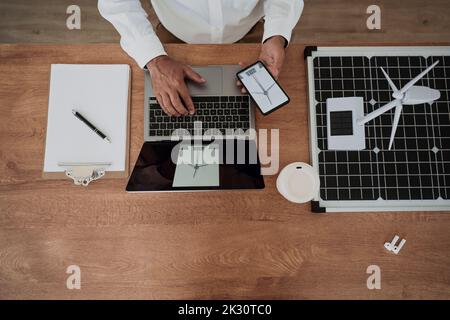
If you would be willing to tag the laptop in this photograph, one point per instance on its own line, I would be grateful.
(221, 130)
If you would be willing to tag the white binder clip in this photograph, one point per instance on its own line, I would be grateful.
(391, 246)
(84, 173)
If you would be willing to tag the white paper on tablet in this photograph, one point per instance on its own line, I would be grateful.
(197, 166)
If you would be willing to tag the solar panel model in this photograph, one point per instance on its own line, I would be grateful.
(380, 127)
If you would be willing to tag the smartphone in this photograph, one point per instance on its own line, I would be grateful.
(263, 88)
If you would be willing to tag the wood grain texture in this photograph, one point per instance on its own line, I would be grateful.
(344, 21)
(44, 21)
(337, 21)
(233, 244)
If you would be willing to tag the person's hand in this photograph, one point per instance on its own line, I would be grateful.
(169, 86)
(272, 55)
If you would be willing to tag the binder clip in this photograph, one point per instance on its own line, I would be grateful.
(391, 246)
(84, 173)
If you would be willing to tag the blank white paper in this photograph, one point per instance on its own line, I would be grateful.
(100, 94)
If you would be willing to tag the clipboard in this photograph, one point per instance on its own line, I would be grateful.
(102, 93)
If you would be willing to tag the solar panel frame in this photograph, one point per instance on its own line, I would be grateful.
(380, 164)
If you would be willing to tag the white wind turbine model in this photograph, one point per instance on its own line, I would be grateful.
(408, 95)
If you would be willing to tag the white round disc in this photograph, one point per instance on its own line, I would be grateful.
(298, 182)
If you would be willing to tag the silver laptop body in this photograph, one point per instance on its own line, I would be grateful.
(220, 81)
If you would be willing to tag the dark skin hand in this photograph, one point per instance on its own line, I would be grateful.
(272, 55)
(169, 86)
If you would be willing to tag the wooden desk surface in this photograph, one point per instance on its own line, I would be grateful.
(249, 244)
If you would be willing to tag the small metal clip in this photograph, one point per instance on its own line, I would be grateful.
(84, 173)
(391, 246)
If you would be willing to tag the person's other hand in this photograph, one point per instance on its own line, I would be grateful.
(272, 55)
(169, 86)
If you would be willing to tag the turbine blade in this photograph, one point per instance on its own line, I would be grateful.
(270, 87)
(416, 79)
(259, 84)
(391, 84)
(398, 111)
(378, 112)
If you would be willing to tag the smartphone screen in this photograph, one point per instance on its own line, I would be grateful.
(262, 87)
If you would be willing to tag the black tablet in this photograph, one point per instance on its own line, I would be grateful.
(194, 166)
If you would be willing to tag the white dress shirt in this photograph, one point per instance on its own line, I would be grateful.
(197, 21)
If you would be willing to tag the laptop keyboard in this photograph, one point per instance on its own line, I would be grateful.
(214, 112)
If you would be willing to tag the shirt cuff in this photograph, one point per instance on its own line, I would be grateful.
(276, 28)
(144, 49)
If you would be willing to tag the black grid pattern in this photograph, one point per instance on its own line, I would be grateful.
(418, 166)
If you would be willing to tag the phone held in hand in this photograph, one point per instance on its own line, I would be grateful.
(263, 88)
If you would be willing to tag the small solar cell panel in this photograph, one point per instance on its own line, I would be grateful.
(341, 123)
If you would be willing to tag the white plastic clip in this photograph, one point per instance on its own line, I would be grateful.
(84, 173)
(391, 246)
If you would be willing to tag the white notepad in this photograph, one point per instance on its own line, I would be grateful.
(101, 94)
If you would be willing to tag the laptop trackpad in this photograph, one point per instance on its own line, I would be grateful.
(213, 84)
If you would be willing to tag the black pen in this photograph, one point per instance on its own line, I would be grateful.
(90, 125)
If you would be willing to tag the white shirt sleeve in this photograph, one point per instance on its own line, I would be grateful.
(280, 17)
(137, 36)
